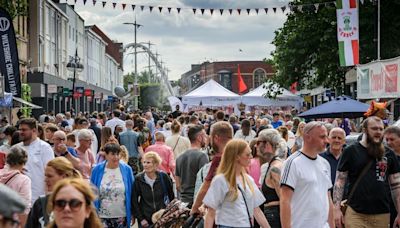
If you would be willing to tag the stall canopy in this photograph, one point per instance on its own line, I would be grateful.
(256, 98)
(7, 102)
(211, 94)
(340, 107)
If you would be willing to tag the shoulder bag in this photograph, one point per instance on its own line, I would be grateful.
(15, 174)
(344, 203)
(179, 137)
(247, 208)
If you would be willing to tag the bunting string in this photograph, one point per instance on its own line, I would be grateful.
(314, 7)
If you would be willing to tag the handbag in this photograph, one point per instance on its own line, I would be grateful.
(344, 203)
(247, 209)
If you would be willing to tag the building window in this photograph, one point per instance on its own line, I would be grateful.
(259, 77)
(195, 80)
(225, 79)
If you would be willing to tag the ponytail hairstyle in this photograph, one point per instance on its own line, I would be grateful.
(175, 127)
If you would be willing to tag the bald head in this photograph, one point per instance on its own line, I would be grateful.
(337, 130)
(337, 139)
(59, 137)
(59, 134)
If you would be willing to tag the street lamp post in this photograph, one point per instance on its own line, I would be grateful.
(136, 75)
(74, 65)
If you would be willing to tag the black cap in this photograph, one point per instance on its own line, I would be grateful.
(11, 202)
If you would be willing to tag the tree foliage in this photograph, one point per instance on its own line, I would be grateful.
(307, 48)
(144, 77)
(15, 7)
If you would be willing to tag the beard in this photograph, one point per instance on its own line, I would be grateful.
(375, 149)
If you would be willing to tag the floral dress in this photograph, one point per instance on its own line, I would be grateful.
(112, 199)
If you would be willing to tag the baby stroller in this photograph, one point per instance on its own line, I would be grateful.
(173, 216)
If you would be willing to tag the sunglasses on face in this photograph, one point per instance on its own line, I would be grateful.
(74, 204)
(261, 142)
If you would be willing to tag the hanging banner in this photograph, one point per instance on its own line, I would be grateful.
(347, 31)
(378, 79)
(88, 92)
(9, 63)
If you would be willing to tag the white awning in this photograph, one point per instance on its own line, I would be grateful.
(22, 101)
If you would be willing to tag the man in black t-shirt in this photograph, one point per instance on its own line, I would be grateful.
(369, 205)
(176, 113)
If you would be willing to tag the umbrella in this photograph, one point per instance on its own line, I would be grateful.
(340, 107)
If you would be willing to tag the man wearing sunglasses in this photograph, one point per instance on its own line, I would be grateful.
(60, 149)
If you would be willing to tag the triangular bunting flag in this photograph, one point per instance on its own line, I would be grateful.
(178, 9)
(248, 11)
(133, 7)
(169, 9)
(194, 11)
(160, 8)
(104, 4)
(316, 7)
(221, 11)
(123, 6)
(114, 4)
(84, 2)
(239, 10)
(202, 11)
(151, 8)
(362, 2)
(211, 11)
(230, 11)
(141, 8)
(94, 2)
(76, 1)
(266, 10)
(256, 9)
(274, 9)
(283, 8)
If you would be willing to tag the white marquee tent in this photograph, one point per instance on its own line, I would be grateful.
(211, 94)
(256, 98)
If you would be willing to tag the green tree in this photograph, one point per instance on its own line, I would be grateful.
(15, 7)
(144, 77)
(307, 48)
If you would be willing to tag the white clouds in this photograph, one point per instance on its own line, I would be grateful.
(184, 39)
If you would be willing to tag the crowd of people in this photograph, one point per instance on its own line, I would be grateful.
(116, 169)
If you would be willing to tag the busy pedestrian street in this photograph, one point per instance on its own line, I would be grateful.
(199, 114)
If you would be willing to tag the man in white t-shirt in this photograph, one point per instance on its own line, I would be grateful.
(305, 199)
(39, 153)
(115, 121)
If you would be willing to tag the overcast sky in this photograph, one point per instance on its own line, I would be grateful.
(184, 39)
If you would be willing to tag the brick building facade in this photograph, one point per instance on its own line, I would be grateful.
(253, 73)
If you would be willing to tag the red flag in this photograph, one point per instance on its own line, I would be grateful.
(293, 87)
(242, 86)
